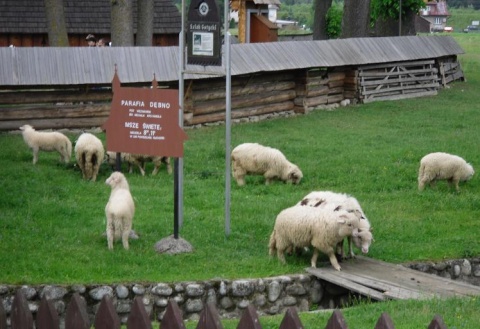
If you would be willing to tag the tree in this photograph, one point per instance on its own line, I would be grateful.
(385, 14)
(56, 26)
(320, 19)
(145, 22)
(356, 19)
(122, 23)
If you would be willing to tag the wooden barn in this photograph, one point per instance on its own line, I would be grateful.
(71, 87)
(23, 23)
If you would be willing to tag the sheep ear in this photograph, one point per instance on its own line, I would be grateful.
(341, 221)
(304, 202)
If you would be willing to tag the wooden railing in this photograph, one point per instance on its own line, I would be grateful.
(76, 317)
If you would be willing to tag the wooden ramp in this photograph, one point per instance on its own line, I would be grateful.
(381, 281)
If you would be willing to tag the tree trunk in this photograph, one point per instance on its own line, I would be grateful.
(356, 19)
(145, 23)
(57, 29)
(320, 19)
(122, 23)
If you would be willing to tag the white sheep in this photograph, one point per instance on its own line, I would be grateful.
(443, 166)
(301, 226)
(47, 141)
(139, 161)
(333, 200)
(89, 153)
(256, 159)
(119, 210)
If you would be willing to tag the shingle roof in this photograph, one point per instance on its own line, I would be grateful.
(30, 66)
(28, 16)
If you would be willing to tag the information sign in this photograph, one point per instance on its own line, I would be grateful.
(203, 33)
(144, 121)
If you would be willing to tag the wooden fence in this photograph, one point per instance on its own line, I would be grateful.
(76, 317)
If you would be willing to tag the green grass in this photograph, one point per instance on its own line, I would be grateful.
(51, 221)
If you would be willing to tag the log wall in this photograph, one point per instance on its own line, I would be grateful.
(251, 95)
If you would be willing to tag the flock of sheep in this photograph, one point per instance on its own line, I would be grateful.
(89, 155)
(321, 219)
(324, 219)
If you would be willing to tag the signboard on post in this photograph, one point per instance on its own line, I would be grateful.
(203, 33)
(144, 121)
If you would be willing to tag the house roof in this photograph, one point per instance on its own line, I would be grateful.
(438, 8)
(28, 16)
(36, 66)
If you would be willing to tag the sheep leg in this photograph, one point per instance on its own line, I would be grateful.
(169, 167)
(239, 175)
(35, 155)
(280, 255)
(333, 261)
(350, 247)
(110, 234)
(125, 235)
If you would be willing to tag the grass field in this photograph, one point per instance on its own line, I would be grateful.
(51, 221)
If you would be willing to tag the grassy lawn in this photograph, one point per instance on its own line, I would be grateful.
(51, 221)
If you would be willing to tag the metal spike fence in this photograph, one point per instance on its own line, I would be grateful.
(106, 318)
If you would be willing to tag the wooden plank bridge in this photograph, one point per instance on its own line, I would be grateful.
(381, 281)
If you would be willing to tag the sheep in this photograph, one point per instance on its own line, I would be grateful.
(253, 158)
(323, 199)
(443, 166)
(139, 161)
(301, 226)
(89, 153)
(47, 141)
(119, 210)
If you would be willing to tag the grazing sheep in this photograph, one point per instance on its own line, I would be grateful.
(443, 166)
(89, 153)
(139, 161)
(256, 159)
(119, 210)
(334, 200)
(47, 141)
(301, 226)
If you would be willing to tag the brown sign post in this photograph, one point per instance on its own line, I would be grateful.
(144, 121)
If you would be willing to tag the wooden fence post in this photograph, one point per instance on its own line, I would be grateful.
(20, 316)
(138, 317)
(291, 320)
(437, 323)
(47, 316)
(172, 319)
(209, 318)
(336, 321)
(249, 319)
(107, 317)
(384, 322)
(76, 316)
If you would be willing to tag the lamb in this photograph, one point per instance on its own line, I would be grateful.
(47, 141)
(89, 153)
(334, 200)
(256, 159)
(119, 210)
(301, 226)
(443, 166)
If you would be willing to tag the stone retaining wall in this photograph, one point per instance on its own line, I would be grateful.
(269, 296)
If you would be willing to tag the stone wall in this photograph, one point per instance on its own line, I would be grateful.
(269, 296)
(466, 270)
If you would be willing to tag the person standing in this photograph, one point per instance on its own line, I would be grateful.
(91, 40)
